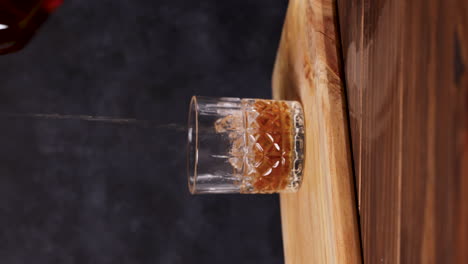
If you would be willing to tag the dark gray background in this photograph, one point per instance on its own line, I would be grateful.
(85, 192)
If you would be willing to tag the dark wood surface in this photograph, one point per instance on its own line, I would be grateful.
(405, 64)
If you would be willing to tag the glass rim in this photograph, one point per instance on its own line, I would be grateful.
(192, 145)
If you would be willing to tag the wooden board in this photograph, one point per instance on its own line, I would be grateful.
(320, 221)
(406, 78)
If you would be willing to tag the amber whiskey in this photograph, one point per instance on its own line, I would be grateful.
(267, 141)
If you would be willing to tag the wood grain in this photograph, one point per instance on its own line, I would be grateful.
(320, 221)
(405, 65)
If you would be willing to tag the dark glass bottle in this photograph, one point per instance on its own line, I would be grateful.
(19, 20)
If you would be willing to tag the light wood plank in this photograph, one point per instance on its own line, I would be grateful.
(320, 221)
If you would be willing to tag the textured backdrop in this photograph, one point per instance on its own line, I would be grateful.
(87, 192)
